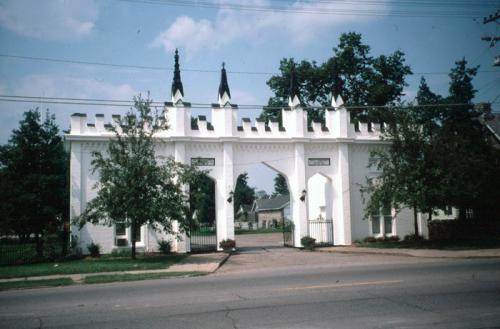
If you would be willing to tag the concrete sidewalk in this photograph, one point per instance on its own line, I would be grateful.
(203, 263)
(429, 253)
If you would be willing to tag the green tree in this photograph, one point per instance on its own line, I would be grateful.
(350, 72)
(243, 194)
(202, 200)
(470, 165)
(33, 168)
(280, 185)
(135, 188)
(406, 180)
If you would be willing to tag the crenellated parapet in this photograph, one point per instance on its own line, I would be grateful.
(225, 123)
(225, 120)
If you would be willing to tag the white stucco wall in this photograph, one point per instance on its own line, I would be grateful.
(236, 149)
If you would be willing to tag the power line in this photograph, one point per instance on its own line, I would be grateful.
(467, 10)
(126, 103)
(164, 68)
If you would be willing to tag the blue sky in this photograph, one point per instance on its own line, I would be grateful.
(141, 33)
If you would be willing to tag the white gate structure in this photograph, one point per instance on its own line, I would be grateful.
(338, 150)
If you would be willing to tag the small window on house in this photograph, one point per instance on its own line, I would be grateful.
(121, 235)
(448, 211)
(138, 234)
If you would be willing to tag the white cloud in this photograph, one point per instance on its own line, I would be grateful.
(55, 20)
(231, 25)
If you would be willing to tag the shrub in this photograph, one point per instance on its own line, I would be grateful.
(394, 238)
(227, 244)
(94, 249)
(369, 239)
(412, 238)
(381, 239)
(308, 242)
(121, 252)
(164, 246)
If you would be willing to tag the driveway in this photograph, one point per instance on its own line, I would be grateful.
(257, 252)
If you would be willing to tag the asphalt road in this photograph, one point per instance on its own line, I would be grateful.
(279, 288)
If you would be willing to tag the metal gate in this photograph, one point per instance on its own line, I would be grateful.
(288, 236)
(322, 231)
(203, 237)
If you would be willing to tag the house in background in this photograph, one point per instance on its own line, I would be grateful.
(245, 218)
(272, 212)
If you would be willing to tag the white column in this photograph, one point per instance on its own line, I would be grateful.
(76, 191)
(224, 186)
(183, 245)
(298, 184)
(342, 204)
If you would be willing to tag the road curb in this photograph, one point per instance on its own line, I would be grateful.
(423, 253)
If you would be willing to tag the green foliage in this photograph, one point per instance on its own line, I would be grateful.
(350, 72)
(243, 194)
(164, 246)
(33, 179)
(202, 200)
(308, 243)
(94, 249)
(439, 155)
(134, 186)
(280, 185)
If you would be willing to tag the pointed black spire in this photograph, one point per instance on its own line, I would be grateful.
(177, 83)
(294, 84)
(223, 87)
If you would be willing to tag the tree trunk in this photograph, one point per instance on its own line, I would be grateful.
(415, 221)
(132, 229)
(39, 245)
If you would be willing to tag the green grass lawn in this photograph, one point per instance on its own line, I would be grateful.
(35, 283)
(91, 265)
(426, 244)
(136, 277)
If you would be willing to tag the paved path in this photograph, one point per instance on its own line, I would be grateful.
(326, 291)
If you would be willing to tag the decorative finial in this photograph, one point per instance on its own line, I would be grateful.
(177, 83)
(224, 86)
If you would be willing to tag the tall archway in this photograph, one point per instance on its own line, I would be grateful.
(261, 207)
(319, 208)
(202, 212)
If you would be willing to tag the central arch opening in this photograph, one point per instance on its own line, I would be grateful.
(262, 212)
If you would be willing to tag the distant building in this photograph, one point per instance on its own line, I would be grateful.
(271, 212)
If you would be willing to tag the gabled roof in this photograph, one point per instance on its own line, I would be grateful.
(493, 126)
(275, 203)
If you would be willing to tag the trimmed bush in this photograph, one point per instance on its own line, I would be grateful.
(228, 244)
(94, 249)
(121, 252)
(164, 246)
(369, 239)
(308, 242)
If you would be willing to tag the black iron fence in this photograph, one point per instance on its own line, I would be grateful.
(203, 237)
(322, 231)
(15, 251)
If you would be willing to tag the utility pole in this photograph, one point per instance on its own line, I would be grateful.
(494, 39)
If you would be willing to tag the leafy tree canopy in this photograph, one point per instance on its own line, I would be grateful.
(351, 72)
(243, 194)
(33, 184)
(280, 185)
(135, 187)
